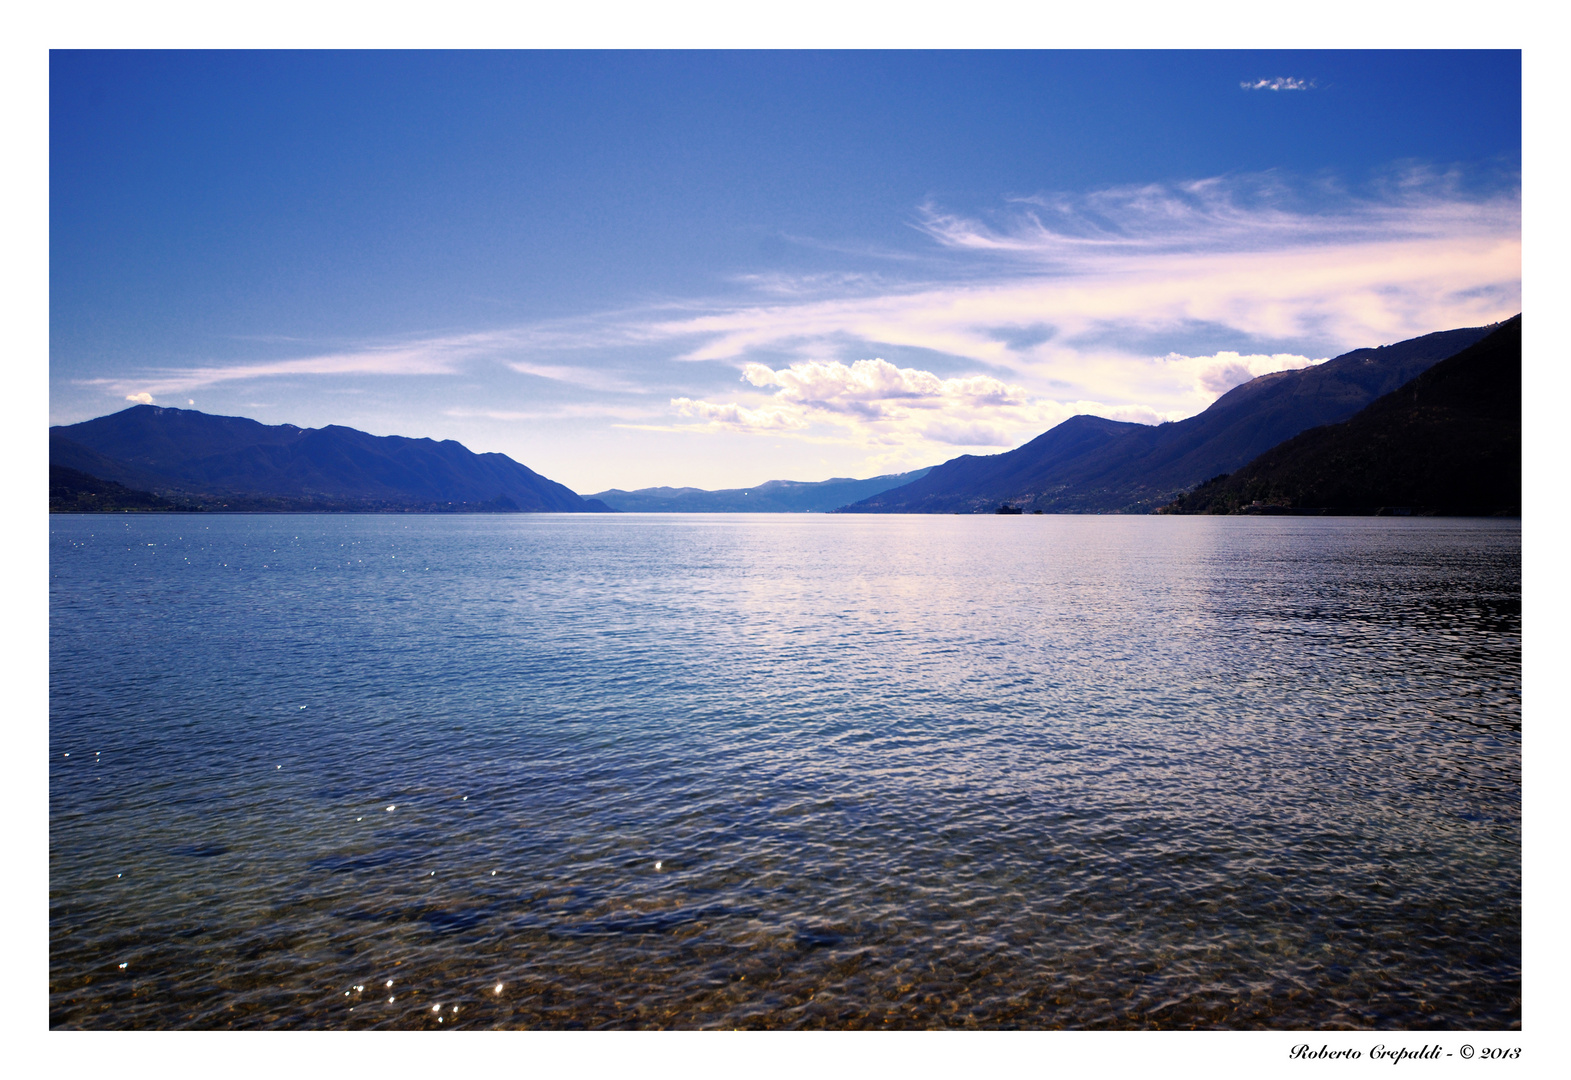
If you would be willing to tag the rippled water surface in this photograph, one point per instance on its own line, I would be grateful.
(784, 771)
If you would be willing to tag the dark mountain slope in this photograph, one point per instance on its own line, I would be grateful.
(73, 491)
(772, 497)
(1091, 465)
(70, 454)
(181, 450)
(1450, 441)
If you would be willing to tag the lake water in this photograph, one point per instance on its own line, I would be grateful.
(784, 771)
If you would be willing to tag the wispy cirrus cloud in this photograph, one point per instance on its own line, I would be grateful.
(1141, 302)
(1238, 255)
(436, 355)
(590, 378)
(1263, 212)
(1063, 285)
(739, 417)
(433, 356)
(1280, 83)
(1345, 294)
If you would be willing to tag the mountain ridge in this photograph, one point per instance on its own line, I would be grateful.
(1448, 442)
(1094, 465)
(186, 453)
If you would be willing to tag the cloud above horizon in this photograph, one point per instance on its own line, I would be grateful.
(739, 417)
(1048, 305)
(1217, 374)
(876, 389)
(875, 403)
(829, 394)
(428, 356)
(1265, 212)
(1060, 285)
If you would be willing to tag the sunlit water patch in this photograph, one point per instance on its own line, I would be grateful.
(748, 771)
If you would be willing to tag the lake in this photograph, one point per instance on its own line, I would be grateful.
(558, 771)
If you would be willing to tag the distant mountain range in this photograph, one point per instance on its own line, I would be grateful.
(1091, 465)
(772, 497)
(1449, 441)
(229, 462)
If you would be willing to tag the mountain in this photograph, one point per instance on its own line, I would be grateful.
(236, 463)
(1091, 465)
(1450, 441)
(772, 497)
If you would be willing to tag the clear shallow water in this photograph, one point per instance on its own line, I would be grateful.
(769, 771)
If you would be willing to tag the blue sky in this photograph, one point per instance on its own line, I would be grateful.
(627, 269)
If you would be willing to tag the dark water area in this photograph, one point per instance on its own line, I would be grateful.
(784, 771)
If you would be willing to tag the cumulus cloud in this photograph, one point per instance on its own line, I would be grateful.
(144, 398)
(1218, 373)
(1278, 84)
(876, 388)
(876, 403)
(829, 394)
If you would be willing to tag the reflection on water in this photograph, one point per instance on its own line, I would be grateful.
(737, 771)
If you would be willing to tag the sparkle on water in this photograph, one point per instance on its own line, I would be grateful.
(902, 771)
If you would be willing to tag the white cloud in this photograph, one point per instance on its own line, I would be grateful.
(1346, 295)
(1106, 282)
(905, 411)
(1242, 258)
(144, 398)
(576, 376)
(437, 356)
(1262, 212)
(1360, 278)
(739, 417)
(1220, 372)
(1278, 84)
(876, 388)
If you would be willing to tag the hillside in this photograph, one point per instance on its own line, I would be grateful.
(72, 491)
(185, 453)
(1450, 442)
(1092, 465)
